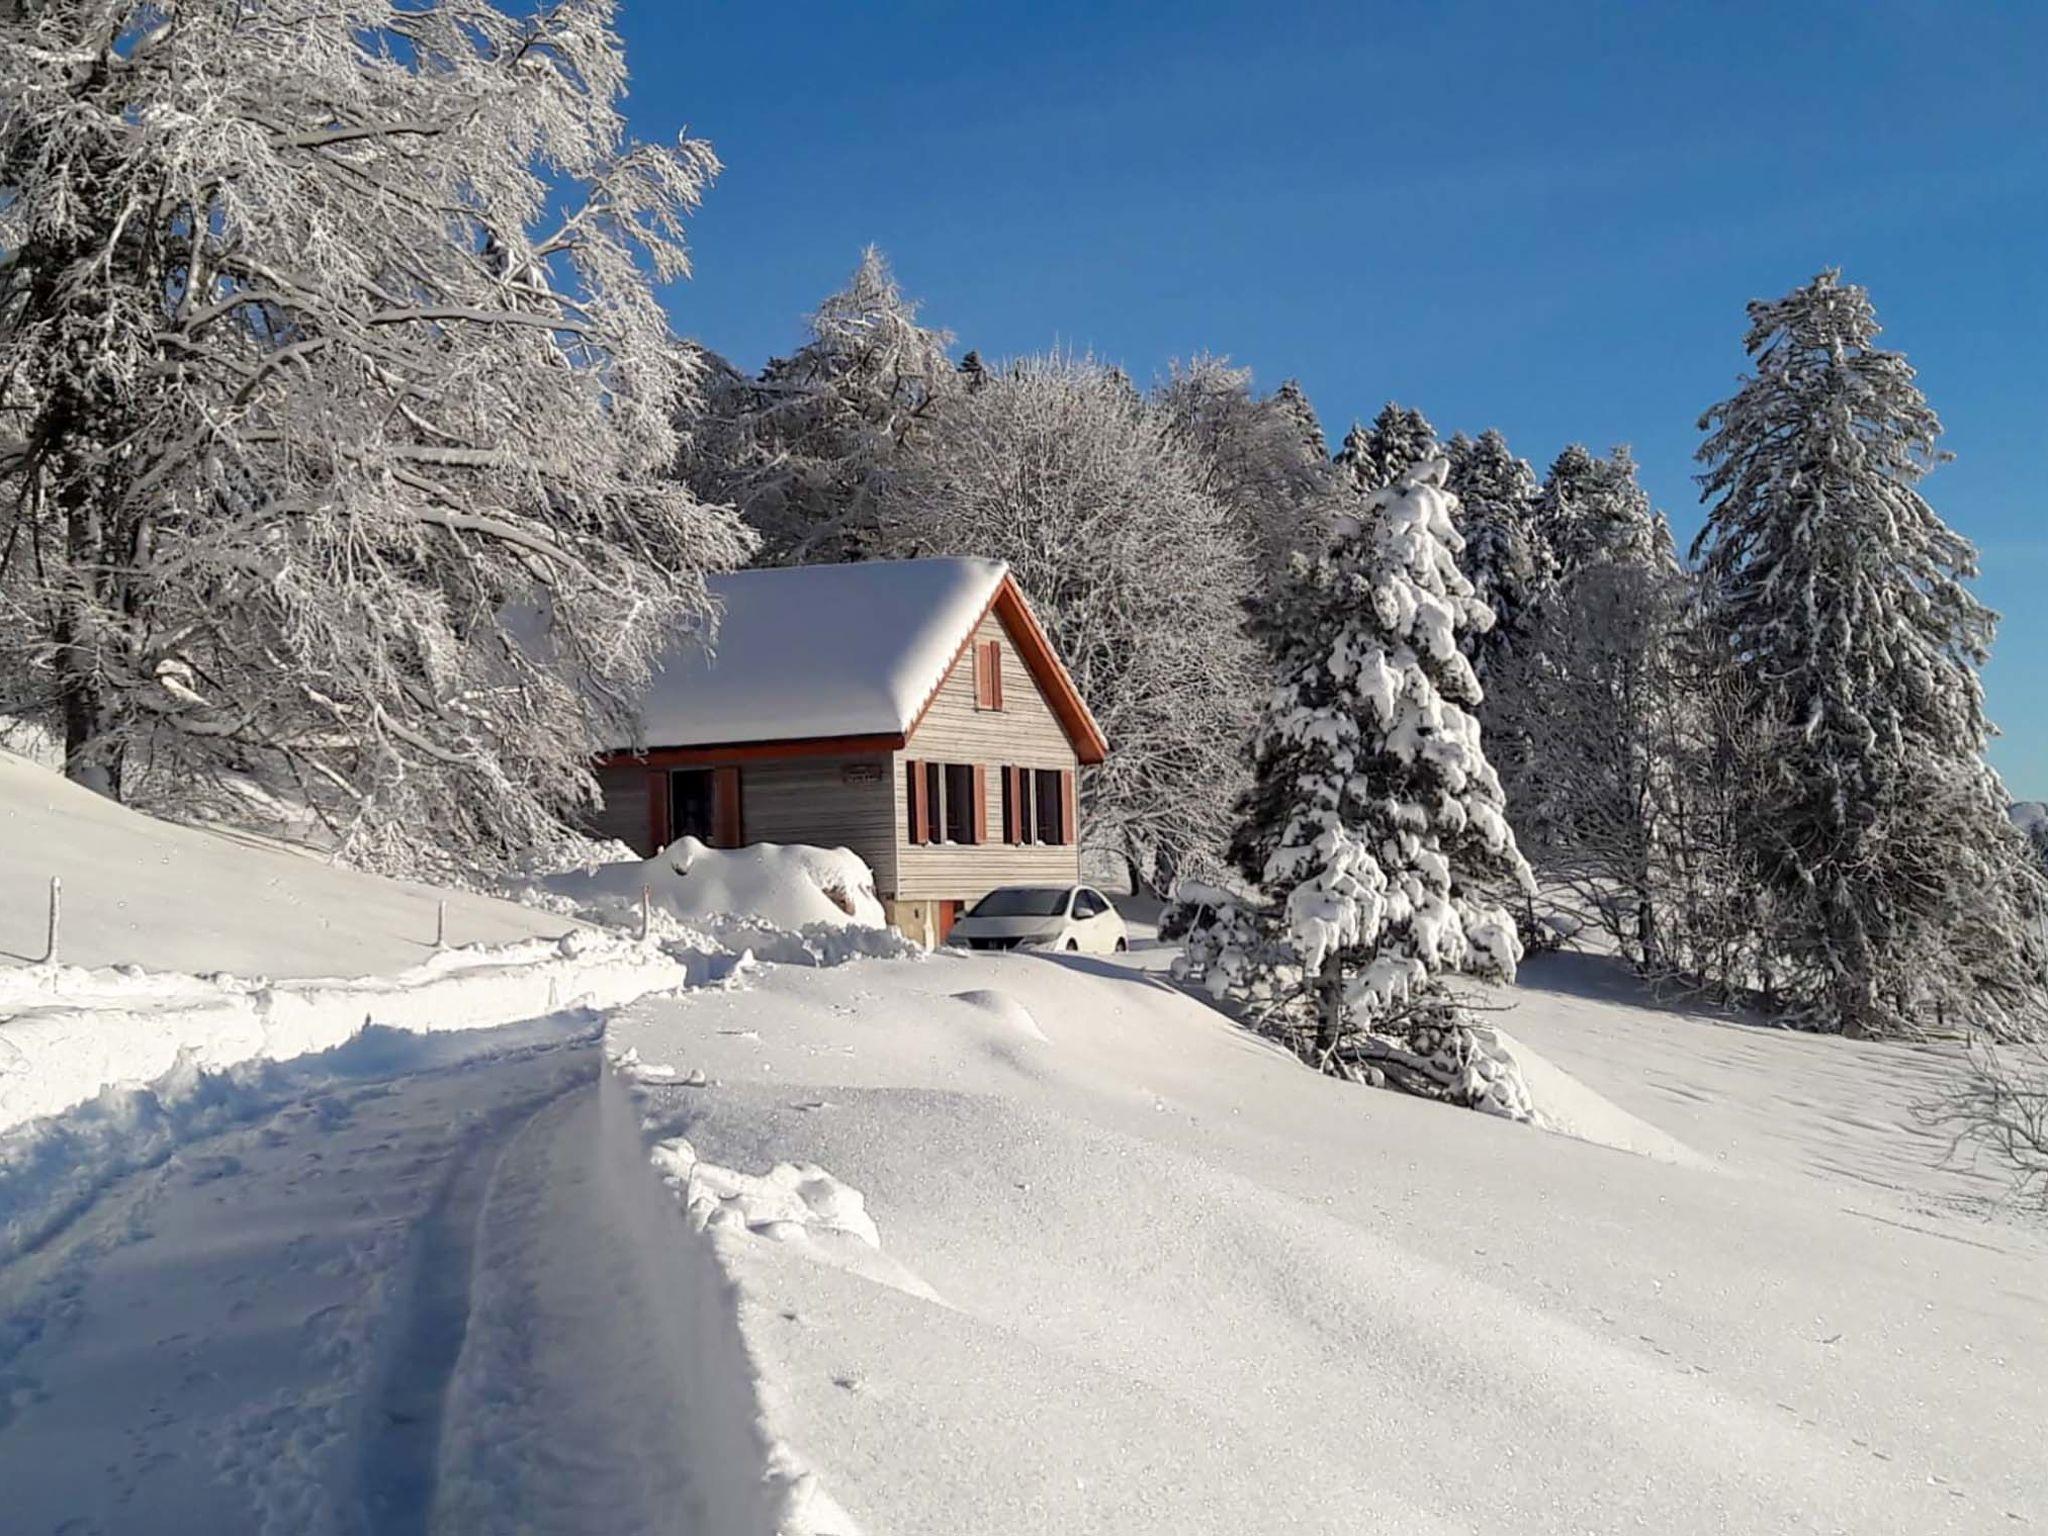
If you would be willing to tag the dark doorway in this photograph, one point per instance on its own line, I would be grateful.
(690, 803)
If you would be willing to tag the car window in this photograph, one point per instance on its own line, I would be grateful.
(1022, 901)
(1088, 904)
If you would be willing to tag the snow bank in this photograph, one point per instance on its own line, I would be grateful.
(787, 887)
(67, 1032)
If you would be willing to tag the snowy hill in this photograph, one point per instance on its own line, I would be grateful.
(168, 898)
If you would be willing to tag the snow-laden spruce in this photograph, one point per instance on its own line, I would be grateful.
(328, 338)
(1508, 565)
(1902, 892)
(1372, 458)
(1376, 825)
(803, 449)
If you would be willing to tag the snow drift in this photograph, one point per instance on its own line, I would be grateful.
(67, 1032)
(781, 886)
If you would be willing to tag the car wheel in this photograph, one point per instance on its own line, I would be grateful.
(1073, 946)
(1122, 945)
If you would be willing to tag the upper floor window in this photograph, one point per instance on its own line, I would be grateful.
(988, 674)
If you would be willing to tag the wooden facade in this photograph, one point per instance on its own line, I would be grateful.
(959, 803)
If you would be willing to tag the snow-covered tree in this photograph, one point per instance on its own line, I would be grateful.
(1508, 566)
(1375, 823)
(1840, 599)
(1262, 458)
(1592, 509)
(1057, 466)
(1292, 400)
(1375, 457)
(804, 450)
(328, 341)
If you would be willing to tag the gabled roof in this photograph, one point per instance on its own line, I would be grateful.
(818, 651)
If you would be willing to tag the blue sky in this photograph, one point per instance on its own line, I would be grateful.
(1544, 218)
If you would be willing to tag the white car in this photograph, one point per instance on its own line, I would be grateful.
(1067, 917)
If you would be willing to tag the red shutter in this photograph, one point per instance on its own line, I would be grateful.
(920, 813)
(1013, 809)
(657, 809)
(995, 674)
(726, 817)
(1070, 817)
(979, 822)
(981, 681)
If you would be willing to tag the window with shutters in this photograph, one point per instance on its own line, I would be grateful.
(945, 802)
(988, 674)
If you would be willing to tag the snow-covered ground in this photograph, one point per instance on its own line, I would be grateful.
(1137, 1271)
(137, 891)
(998, 1243)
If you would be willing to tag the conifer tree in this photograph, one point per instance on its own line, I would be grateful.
(1375, 457)
(1293, 402)
(1840, 599)
(805, 449)
(1502, 558)
(1591, 509)
(1375, 819)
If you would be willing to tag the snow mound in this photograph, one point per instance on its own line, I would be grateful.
(790, 1202)
(1004, 1006)
(67, 1032)
(1562, 1104)
(790, 887)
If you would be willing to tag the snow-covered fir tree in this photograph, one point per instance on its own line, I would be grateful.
(1592, 509)
(1374, 457)
(1375, 826)
(329, 340)
(1292, 401)
(803, 450)
(1139, 572)
(1508, 566)
(1840, 599)
(1261, 457)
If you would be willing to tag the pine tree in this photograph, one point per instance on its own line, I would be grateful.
(329, 340)
(1839, 597)
(1591, 509)
(1293, 402)
(804, 450)
(1375, 457)
(1507, 565)
(1374, 817)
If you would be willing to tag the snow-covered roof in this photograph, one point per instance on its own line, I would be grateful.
(820, 650)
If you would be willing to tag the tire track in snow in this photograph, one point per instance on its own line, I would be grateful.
(402, 1443)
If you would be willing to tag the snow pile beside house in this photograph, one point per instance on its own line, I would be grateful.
(766, 886)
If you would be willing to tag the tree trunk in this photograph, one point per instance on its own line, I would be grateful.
(1329, 1007)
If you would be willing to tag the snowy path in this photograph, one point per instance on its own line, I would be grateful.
(405, 1301)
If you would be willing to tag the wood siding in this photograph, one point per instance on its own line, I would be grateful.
(808, 800)
(624, 812)
(1023, 733)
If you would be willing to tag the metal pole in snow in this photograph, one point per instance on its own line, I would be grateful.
(56, 910)
(646, 918)
(441, 924)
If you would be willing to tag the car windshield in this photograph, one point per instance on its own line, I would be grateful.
(1022, 901)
